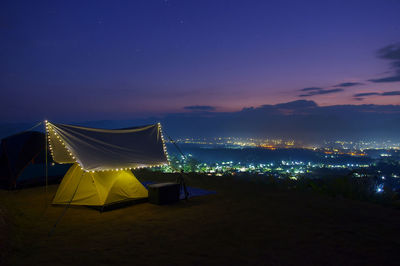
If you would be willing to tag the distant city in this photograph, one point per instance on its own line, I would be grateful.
(287, 158)
(348, 147)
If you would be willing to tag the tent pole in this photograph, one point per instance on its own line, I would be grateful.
(180, 180)
(47, 166)
(47, 170)
(66, 207)
(176, 145)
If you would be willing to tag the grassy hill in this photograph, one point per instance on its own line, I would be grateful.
(243, 223)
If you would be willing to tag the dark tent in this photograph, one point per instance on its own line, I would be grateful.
(22, 160)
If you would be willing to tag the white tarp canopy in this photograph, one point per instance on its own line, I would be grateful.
(104, 149)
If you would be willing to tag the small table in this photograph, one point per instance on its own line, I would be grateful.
(163, 193)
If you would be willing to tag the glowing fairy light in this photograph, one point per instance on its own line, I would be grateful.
(163, 144)
(52, 131)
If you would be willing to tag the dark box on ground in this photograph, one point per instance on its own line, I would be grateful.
(163, 193)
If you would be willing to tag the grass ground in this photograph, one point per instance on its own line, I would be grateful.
(243, 223)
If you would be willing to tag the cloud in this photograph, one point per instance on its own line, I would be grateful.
(312, 89)
(348, 84)
(320, 91)
(390, 93)
(392, 54)
(199, 108)
(364, 94)
(393, 78)
(360, 96)
(306, 121)
(296, 105)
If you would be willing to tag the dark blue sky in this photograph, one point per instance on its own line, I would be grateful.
(76, 60)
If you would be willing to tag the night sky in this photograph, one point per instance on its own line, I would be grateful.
(77, 60)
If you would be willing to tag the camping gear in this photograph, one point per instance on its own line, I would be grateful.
(182, 185)
(164, 193)
(22, 161)
(180, 180)
(103, 160)
(192, 191)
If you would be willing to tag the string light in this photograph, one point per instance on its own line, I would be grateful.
(51, 129)
(164, 146)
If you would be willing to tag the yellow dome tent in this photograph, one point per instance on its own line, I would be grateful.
(102, 162)
(98, 188)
